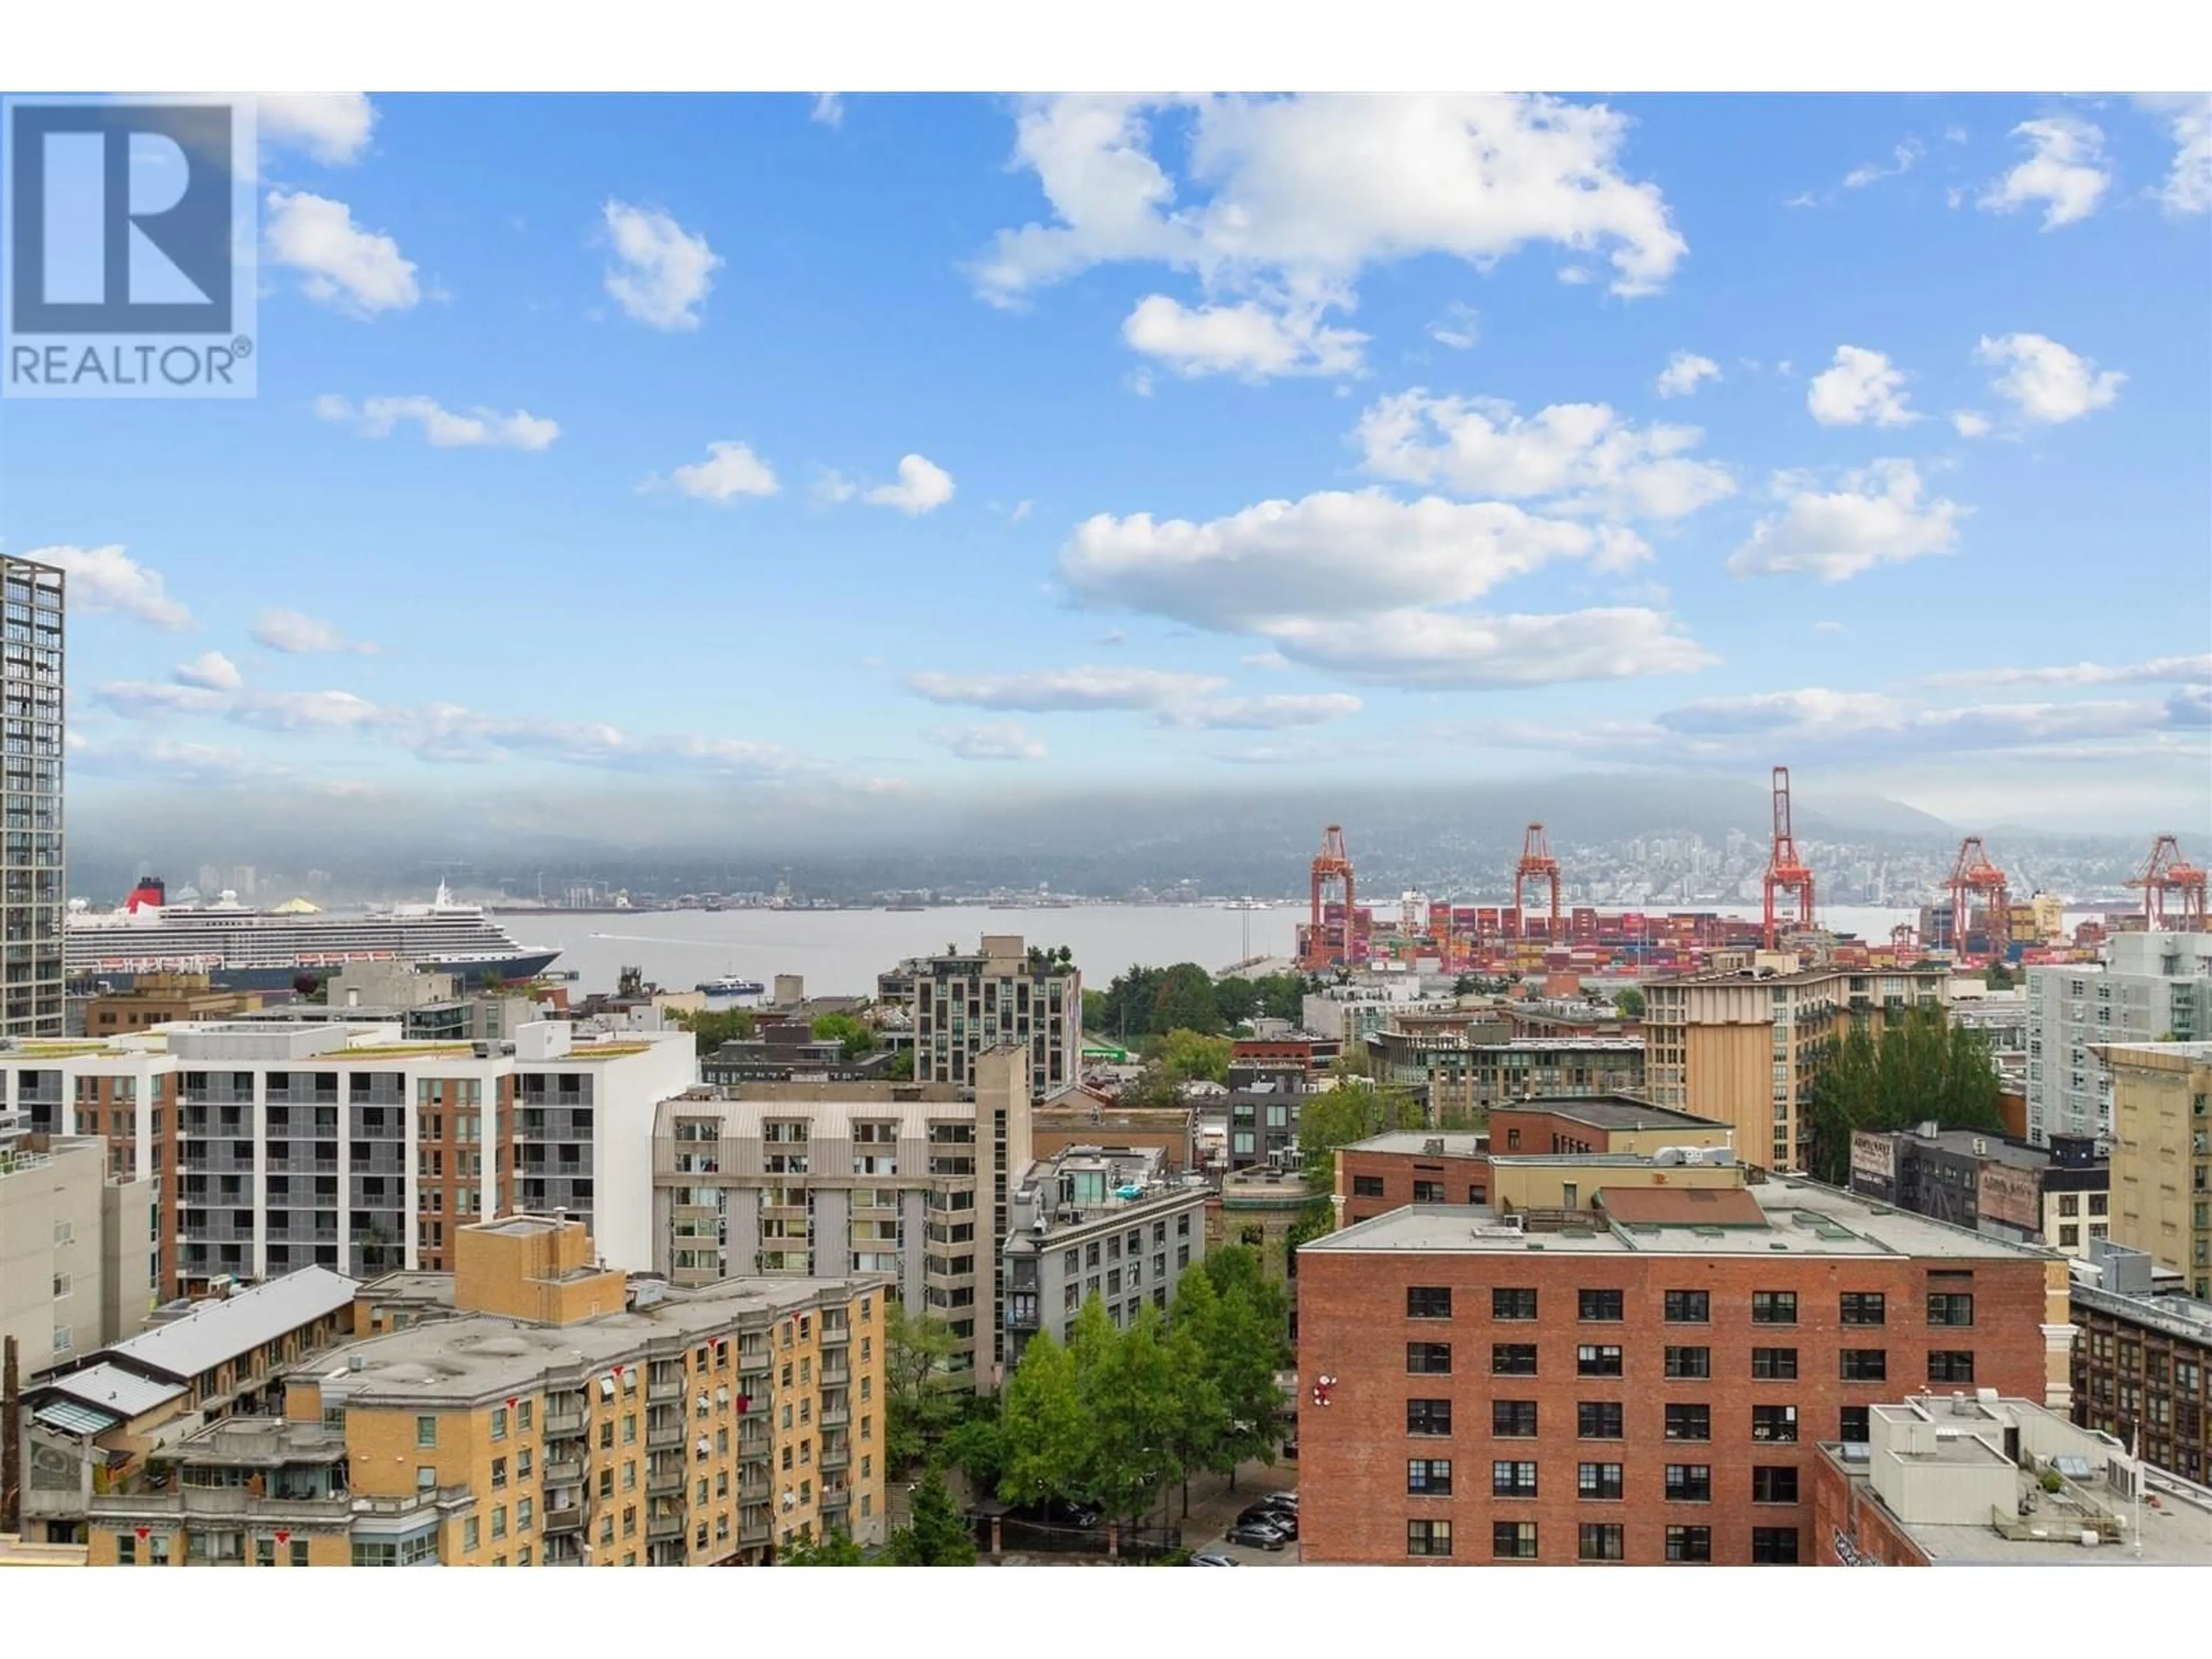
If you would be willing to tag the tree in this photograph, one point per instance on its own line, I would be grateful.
(711, 1028)
(853, 1037)
(1236, 1000)
(1999, 977)
(1126, 1009)
(1921, 1068)
(921, 1405)
(835, 1549)
(1352, 1110)
(901, 1069)
(1630, 1001)
(1155, 1085)
(1045, 1432)
(1243, 1332)
(1094, 1010)
(1188, 1057)
(1184, 998)
(936, 1534)
(977, 1448)
(1126, 1381)
(1202, 1421)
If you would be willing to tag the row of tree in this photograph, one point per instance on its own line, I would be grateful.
(1922, 1067)
(1147, 1002)
(936, 1535)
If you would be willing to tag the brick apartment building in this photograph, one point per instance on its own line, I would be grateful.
(1646, 1387)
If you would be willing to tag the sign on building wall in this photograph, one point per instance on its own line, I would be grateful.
(1874, 1163)
(2010, 1195)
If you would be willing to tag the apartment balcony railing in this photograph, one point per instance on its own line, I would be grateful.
(663, 1439)
(565, 1424)
(563, 1471)
(665, 1524)
(565, 1518)
(664, 1478)
(663, 1392)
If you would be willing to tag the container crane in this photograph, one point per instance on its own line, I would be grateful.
(1536, 861)
(1972, 875)
(1785, 872)
(1328, 944)
(2165, 874)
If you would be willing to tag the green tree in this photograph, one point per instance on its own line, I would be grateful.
(1630, 1001)
(922, 1404)
(936, 1534)
(1155, 1085)
(1126, 1381)
(1236, 1000)
(711, 1028)
(1045, 1431)
(853, 1037)
(1188, 1057)
(901, 1069)
(1999, 977)
(1095, 1014)
(1243, 1333)
(1282, 996)
(836, 1548)
(1184, 1000)
(1352, 1110)
(1921, 1069)
(1127, 1011)
(977, 1448)
(1202, 1421)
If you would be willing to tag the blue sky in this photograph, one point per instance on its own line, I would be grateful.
(883, 444)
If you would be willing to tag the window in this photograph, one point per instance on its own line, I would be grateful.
(1593, 1361)
(1950, 1365)
(1513, 1419)
(1689, 1543)
(1428, 1416)
(1598, 1541)
(499, 1422)
(1689, 1362)
(1597, 1420)
(1428, 1538)
(1513, 1541)
(525, 1512)
(426, 1430)
(1689, 1307)
(1512, 1304)
(469, 1536)
(2096, 1200)
(1428, 1302)
(1854, 1426)
(1367, 1186)
(499, 1521)
(1864, 1364)
(1771, 1484)
(1774, 1423)
(1429, 1477)
(1597, 1480)
(126, 1549)
(1774, 1307)
(1774, 1546)
(1863, 1307)
(1513, 1359)
(1598, 1305)
(1774, 1364)
(498, 1474)
(1428, 1192)
(1511, 1479)
(1689, 1483)
(1429, 1358)
(1950, 1310)
(1689, 1422)
(2069, 1204)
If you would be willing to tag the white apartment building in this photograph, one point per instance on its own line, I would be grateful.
(76, 1248)
(2148, 987)
(962, 1004)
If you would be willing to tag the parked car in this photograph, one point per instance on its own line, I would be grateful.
(1061, 1512)
(1212, 1558)
(1281, 1499)
(1258, 1534)
(1283, 1519)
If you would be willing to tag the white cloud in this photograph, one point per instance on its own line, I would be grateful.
(1248, 339)
(1582, 455)
(829, 109)
(2064, 171)
(1683, 372)
(1969, 424)
(343, 267)
(1458, 328)
(1055, 690)
(1803, 198)
(2158, 670)
(1270, 660)
(1262, 714)
(105, 582)
(923, 487)
(992, 740)
(1903, 158)
(333, 127)
(1862, 386)
(1022, 510)
(1877, 519)
(1830, 627)
(211, 670)
(296, 635)
(479, 428)
(1447, 650)
(2188, 187)
(2047, 383)
(664, 271)
(730, 469)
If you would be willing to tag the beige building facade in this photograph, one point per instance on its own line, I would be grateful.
(2162, 1154)
(76, 1248)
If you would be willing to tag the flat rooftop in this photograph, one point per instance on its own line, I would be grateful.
(1801, 1218)
(1444, 1143)
(1611, 1112)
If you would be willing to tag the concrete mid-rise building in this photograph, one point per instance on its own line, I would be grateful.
(2148, 987)
(76, 1249)
(1742, 1046)
(1103, 1222)
(962, 1004)
(2161, 1107)
(163, 999)
(2058, 1196)
(1459, 1080)
(2143, 1361)
(32, 682)
(1645, 1385)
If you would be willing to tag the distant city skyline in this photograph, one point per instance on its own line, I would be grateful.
(789, 459)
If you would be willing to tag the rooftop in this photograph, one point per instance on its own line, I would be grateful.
(215, 1332)
(1612, 1112)
(114, 1395)
(1681, 1207)
(1447, 1143)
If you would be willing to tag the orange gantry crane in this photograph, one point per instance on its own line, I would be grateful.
(1785, 872)
(1972, 875)
(1329, 943)
(1536, 861)
(2166, 875)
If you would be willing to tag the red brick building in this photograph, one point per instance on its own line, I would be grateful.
(1646, 1386)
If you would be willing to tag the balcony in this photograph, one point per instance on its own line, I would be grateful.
(665, 1523)
(567, 1424)
(837, 1497)
(753, 1491)
(664, 1438)
(563, 1517)
(835, 1416)
(838, 1458)
(664, 1393)
(564, 1471)
(837, 1337)
(754, 1527)
(195, 1504)
(836, 1377)
(665, 1478)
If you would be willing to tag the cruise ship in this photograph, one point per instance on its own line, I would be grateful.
(243, 948)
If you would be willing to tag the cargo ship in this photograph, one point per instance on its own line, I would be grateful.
(239, 948)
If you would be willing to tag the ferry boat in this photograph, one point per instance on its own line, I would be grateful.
(729, 985)
(239, 948)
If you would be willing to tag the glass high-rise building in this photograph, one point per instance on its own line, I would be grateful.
(31, 863)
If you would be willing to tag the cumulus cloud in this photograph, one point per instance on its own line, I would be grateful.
(1862, 386)
(1458, 328)
(105, 582)
(992, 740)
(922, 487)
(662, 272)
(2188, 187)
(1969, 424)
(357, 272)
(1247, 339)
(2064, 171)
(730, 470)
(1065, 690)
(1452, 650)
(333, 127)
(211, 670)
(1902, 161)
(2158, 670)
(1684, 370)
(1583, 457)
(296, 635)
(2045, 381)
(479, 428)
(829, 109)
(1878, 518)
(1262, 713)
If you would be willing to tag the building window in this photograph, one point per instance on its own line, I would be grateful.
(1689, 1362)
(1429, 1358)
(1772, 1484)
(1689, 1483)
(1864, 1307)
(1513, 1541)
(1950, 1310)
(1512, 1480)
(1853, 1427)
(1689, 1307)
(1689, 1543)
(499, 1422)
(1428, 1416)
(1774, 1546)
(1774, 1364)
(2069, 1204)
(1774, 1307)
(1513, 1419)
(1601, 1306)
(1774, 1423)
(1593, 1361)
(1428, 1192)
(426, 1430)
(1513, 1359)
(1864, 1364)
(1367, 1186)
(1598, 1481)
(1428, 1302)
(1512, 1304)
(1598, 1419)
(1950, 1365)
(1598, 1541)
(1689, 1422)
(1429, 1477)
(1428, 1538)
